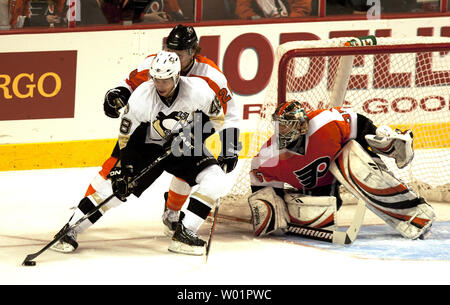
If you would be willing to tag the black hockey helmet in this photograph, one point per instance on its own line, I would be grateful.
(182, 38)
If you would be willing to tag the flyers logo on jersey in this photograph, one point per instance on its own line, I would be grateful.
(309, 174)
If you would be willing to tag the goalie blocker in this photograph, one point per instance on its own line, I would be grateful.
(273, 214)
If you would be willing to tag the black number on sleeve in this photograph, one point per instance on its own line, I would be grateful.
(125, 126)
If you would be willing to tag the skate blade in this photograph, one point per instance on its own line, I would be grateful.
(59, 247)
(178, 247)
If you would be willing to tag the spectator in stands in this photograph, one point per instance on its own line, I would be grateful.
(134, 11)
(359, 6)
(162, 11)
(256, 9)
(26, 13)
(113, 10)
(91, 12)
(4, 15)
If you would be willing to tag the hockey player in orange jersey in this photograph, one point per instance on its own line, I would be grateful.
(301, 153)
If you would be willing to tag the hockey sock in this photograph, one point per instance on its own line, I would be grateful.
(178, 194)
(196, 213)
(84, 207)
(175, 201)
(101, 176)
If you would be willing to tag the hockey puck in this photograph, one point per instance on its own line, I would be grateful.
(29, 263)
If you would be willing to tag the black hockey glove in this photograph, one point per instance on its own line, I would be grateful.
(115, 99)
(120, 181)
(231, 147)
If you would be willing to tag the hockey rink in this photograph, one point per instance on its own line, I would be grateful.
(127, 246)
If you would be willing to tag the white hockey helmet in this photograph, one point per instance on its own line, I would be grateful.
(166, 65)
(292, 122)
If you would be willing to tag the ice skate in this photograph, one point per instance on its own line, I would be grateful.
(186, 241)
(170, 218)
(66, 244)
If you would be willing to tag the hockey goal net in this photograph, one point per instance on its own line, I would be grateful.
(402, 83)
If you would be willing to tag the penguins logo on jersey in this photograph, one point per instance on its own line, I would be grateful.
(215, 107)
(309, 174)
(166, 125)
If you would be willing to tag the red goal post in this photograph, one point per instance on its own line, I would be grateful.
(403, 83)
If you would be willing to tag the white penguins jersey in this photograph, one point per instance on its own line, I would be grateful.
(206, 69)
(145, 105)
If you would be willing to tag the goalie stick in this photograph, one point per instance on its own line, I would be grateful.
(330, 236)
(30, 257)
(333, 236)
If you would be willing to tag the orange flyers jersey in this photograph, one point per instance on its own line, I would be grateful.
(208, 71)
(306, 166)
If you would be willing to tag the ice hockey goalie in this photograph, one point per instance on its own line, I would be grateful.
(314, 153)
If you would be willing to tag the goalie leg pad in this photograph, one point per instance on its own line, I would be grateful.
(269, 212)
(393, 144)
(385, 195)
(411, 223)
(311, 211)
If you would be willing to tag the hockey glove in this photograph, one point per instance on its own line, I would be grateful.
(231, 147)
(120, 181)
(115, 99)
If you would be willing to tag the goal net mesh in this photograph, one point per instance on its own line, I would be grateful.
(402, 83)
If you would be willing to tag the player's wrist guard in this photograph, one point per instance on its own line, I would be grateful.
(115, 99)
(231, 146)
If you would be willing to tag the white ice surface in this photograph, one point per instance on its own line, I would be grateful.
(127, 246)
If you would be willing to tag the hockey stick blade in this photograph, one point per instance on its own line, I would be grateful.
(333, 236)
(32, 256)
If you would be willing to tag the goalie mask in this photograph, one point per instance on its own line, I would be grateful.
(292, 122)
(166, 65)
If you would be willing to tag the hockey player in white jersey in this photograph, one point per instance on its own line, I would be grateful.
(184, 41)
(155, 120)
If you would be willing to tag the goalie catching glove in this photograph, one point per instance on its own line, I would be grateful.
(394, 144)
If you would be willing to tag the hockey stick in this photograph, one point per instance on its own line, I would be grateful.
(333, 236)
(211, 230)
(213, 225)
(29, 259)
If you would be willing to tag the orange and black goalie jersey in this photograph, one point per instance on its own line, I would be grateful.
(304, 165)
